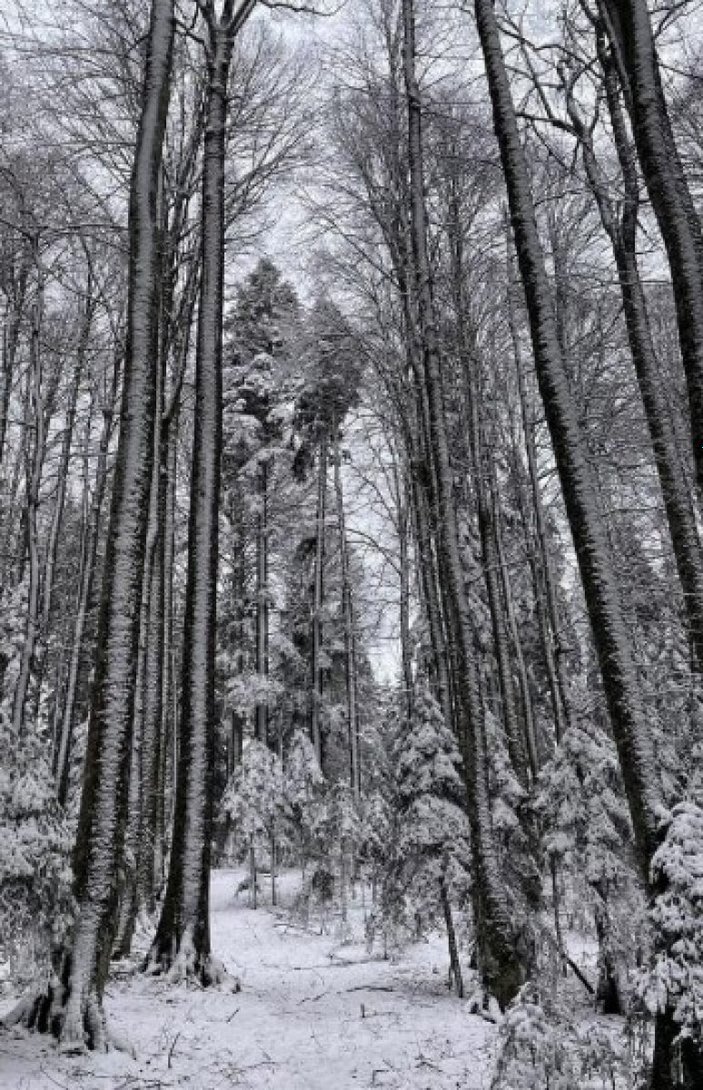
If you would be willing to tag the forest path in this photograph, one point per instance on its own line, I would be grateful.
(313, 1014)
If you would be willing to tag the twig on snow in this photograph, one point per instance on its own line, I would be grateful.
(172, 1048)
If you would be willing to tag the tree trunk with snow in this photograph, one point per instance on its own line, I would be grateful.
(317, 602)
(182, 942)
(452, 944)
(73, 1007)
(62, 481)
(89, 548)
(621, 227)
(543, 576)
(631, 36)
(502, 957)
(33, 475)
(262, 609)
(350, 670)
(10, 344)
(620, 681)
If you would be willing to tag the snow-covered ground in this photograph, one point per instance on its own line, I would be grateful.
(313, 1014)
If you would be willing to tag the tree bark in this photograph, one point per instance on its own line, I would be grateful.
(10, 342)
(64, 734)
(262, 609)
(630, 31)
(543, 577)
(454, 960)
(502, 955)
(622, 233)
(617, 667)
(349, 633)
(317, 601)
(73, 1010)
(35, 462)
(182, 942)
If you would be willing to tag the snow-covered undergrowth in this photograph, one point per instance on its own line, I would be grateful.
(313, 1014)
(549, 1042)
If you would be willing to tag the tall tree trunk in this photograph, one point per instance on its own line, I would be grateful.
(514, 635)
(630, 32)
(501, 957)
(262, 609)
(620, 679)
(402, 497)
(431, 597)
(149, 857)
(454, 959)
(10, 342)
(64, 733)
(73, 1010)
(317, 602)
(182, 941)
(513, 727)
(349, 632)
(169, 697)
(65, 456)
(168, 725)
(621, 229)
(33, 474)
(137, 889)
(543, 576)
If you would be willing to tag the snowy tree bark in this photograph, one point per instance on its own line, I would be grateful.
(621, 228)
(137, 888)
(317, 601)
(16, 292)
(515, 641)
(502, 954)
(262, 610)
(89, 547)
(73, 1007)
(629, 28)
(543, 577)
(63, 472)
(454, 959)
(620, 680)
(182, 942)
(350, 668)
(149, 859)
(33, 475)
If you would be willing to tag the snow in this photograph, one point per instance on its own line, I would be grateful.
(313, 1014)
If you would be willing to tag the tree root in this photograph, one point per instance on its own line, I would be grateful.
(76, 1021)
(186, 968)
(77, 1026)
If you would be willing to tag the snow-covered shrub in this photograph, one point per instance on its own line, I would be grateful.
(587, 838)
(35, 844)
(13, 610)
(540, 1049)
(426, 828)
(513, 826)
(255, 799)
(675, 978)
(303, 786)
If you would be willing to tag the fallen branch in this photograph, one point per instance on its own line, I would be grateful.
(367, 988)
(569, 962)
(172, 1048)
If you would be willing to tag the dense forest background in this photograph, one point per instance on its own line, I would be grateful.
(351, 456)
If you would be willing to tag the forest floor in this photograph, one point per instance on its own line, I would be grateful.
(314, 1013)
